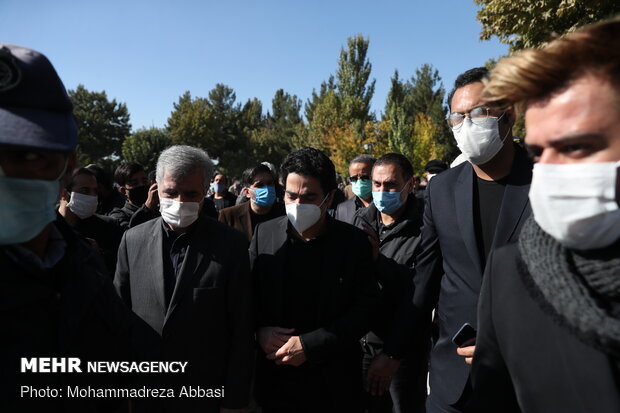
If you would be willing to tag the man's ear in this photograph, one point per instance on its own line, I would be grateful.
(411, 183)
(246, 192)
(122, 190)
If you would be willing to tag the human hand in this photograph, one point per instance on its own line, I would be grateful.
(271, 339)
(291, 353)
(93, 244)
(467, 352)
(152, 200)
(380, 374)
(374, 241)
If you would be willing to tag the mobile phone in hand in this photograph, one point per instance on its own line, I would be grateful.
(466, 336)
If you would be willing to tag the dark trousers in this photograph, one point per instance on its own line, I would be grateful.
(407, 392)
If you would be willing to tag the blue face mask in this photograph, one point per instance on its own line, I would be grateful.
(265, 196)
(27, 206)
(218, 188)
(387, 202)
(362, 188)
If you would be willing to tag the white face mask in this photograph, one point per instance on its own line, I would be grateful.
(83, 206)
(303, 216)
(576, 203)
(479, 142)
(178, 214)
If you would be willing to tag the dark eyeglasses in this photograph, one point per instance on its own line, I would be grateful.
(355, 178)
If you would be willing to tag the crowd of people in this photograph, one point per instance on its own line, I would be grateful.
(493, 282)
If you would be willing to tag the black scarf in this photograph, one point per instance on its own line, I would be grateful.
(580, 288)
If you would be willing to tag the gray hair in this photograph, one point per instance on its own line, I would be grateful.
(180, 160)
(365, 159)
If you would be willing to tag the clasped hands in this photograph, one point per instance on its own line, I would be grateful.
(280, 345)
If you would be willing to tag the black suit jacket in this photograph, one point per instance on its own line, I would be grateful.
(526, 360)
(70, 310)
(349, 293)
(345, 211)
(208, 321)
(448, 268)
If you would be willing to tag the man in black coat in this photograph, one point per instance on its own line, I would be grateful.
(549, 316)
(360, 169)
(221, 197)
(187, 276)
(77, 206)
(312, 306)
(469, 209)
(56, 299)
(109, 197)
(133, 184)
(393, 222)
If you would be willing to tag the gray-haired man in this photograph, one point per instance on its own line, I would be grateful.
(187, 276)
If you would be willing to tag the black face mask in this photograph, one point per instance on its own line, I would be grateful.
(138, 195)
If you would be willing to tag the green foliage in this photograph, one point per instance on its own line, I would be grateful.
(344, 144)
(425, 144)
(327, 115)
(343, 101)
(314, 101)
(285, 108)
(145, 145)
(275, 139)
(103, 125)
(352, 81)
(529, 23)
(217, 124)
(423, 94)
(427, 97)
(191, 123)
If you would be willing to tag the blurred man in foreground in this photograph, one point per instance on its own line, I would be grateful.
(549, 315)
(56, 299)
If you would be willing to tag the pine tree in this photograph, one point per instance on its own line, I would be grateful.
(144, 146)
(102, 125)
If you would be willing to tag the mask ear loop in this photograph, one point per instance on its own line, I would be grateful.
(507, 132)
(401, 191)
(324, 199)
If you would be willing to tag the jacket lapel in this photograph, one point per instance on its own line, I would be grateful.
(280, 245)
(154, 264)
(514, 207)
(244, 217)
(464, 206)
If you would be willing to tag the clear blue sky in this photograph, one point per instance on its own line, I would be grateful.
(146, 53)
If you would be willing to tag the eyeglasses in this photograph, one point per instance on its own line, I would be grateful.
(355, 178)
(476, 114)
